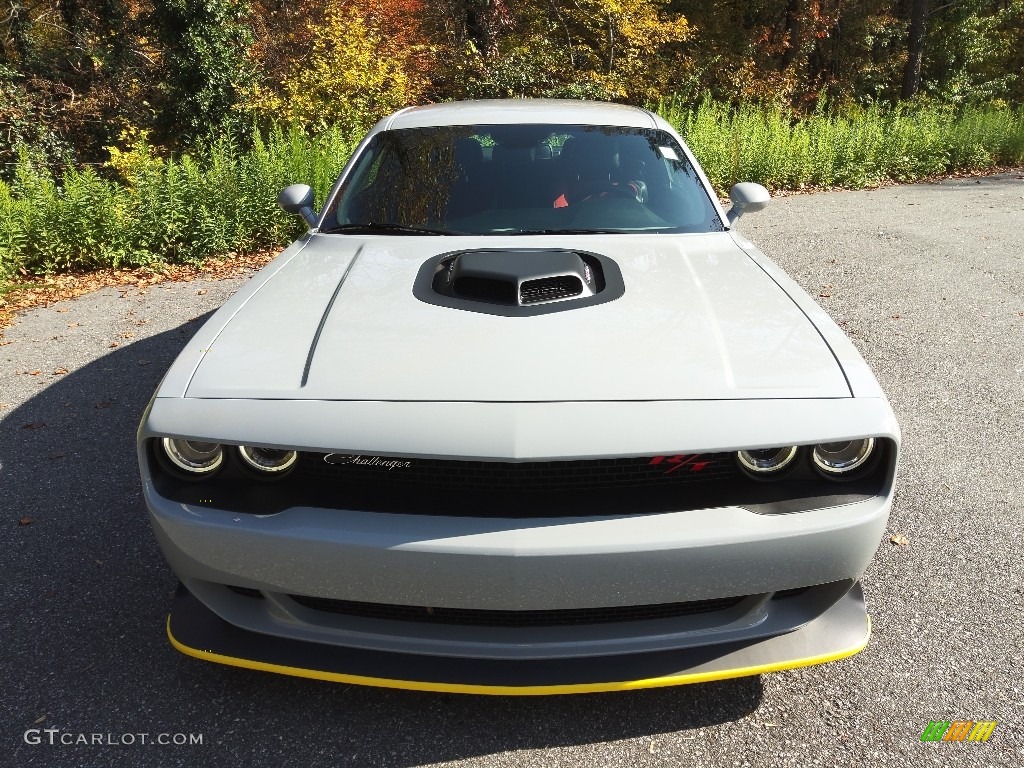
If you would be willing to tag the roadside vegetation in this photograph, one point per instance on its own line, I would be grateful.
(159, 132)
(215, 201)
(855, 147)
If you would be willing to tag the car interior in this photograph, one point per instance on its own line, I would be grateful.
(507, 180)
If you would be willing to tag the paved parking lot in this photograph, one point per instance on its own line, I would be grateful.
(929, 282)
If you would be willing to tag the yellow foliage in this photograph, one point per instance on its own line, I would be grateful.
(630, 36)
(352, 76)
(136, 162)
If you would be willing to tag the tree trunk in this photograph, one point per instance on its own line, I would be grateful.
(915, 49)
(484, 20)
(794, 14)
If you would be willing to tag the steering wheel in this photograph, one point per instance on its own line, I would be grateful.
(632, 190)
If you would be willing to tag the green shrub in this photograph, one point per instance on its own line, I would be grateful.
(854, 148)
(177, 210)
(222, 199)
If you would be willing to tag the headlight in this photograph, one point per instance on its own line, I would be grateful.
(194, 456)
(269, 460)
(846, 456)
(767, 461)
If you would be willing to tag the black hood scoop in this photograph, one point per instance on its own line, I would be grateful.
(519, 282)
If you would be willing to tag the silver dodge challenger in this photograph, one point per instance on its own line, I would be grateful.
(521, 413)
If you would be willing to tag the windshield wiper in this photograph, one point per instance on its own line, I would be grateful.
(571, 232)
(387, 229)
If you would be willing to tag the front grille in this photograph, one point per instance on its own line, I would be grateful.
(549, 289)
(544, 618)
(528, 477)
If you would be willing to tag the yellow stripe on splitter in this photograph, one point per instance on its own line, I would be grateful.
(517, 690)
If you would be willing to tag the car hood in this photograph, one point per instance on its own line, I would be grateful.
(699, 320)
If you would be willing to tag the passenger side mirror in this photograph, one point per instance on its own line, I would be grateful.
(746, 197)
(298, 199)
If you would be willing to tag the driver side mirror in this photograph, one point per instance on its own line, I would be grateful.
(298, 199)
(746, 196)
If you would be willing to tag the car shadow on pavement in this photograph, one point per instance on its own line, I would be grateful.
(86, 593)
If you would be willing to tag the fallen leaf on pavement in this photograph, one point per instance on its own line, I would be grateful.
(63, 309)
(26, 521)
(59, 371)
(201, 292)
(34, 425)
(36, 372)
(43, 291)
(899, 540)
(103, 404)
(114, 344)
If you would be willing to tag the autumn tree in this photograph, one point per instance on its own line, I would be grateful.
(73, 74)
(351, 63)
(77, 76)
(598, 48)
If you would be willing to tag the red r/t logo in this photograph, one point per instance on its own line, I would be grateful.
(690, 460)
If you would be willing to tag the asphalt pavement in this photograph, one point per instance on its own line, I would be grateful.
(928, 280)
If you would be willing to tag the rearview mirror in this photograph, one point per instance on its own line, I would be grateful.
(746, 197)
(298, 199)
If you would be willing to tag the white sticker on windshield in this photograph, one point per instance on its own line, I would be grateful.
(669, 153)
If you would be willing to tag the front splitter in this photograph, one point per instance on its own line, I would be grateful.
(841, 631)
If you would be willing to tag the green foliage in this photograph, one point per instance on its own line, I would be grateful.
(206, 65)
(854, 148)
(13, 234)
(180, 210)
(26, 121)
(222, 198)
(78, 220)
(969, 51)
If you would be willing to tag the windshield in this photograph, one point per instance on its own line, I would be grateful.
(522, 179)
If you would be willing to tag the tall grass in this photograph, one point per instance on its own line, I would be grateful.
(222, 200)
(855, 148)
(176, 210)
